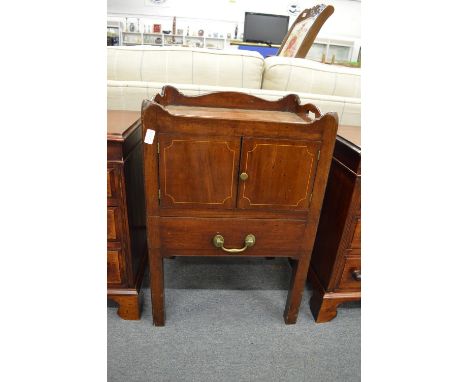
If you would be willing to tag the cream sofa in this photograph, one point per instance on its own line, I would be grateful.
(139, 72)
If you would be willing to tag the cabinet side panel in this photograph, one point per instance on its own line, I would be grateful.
(333, 218)
(134, 188)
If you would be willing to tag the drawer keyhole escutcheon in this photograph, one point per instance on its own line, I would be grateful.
(218, 242)
(244, 176)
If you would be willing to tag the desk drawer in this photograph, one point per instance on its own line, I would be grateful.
(271, 236)
(113, 223)
(113, 186)
(114, 269)
(351, 276)
(356, 240)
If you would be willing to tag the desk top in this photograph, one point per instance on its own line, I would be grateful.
(351, 134)
(121, 123)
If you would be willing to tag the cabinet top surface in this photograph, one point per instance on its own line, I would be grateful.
(120, 123)
(237, 114)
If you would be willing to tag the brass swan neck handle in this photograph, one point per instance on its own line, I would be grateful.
(218, 242)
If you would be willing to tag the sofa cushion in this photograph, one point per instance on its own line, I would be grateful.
(196, 66)
(306, 76)
(128, 95)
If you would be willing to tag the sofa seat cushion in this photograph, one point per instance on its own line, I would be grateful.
(128, 95)
(306, 76)
(196, 66)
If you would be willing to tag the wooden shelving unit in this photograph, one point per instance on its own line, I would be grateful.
(342, 50)
(163, 39)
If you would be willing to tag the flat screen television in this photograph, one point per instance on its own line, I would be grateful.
(261, 27)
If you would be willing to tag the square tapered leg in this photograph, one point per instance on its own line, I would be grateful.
(157, 286)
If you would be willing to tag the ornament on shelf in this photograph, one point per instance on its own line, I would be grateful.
(294, 9)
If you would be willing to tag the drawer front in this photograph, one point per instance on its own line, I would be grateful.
(113, 223)
(114, 270)
(197, 235)
(356, 240)
(113, 186)
(350, 278)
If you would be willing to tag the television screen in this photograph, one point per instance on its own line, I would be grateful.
(260, 27)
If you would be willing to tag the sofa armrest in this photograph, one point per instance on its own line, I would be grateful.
(307, 76)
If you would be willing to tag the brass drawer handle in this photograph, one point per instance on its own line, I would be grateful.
(244, 176)
(357, 275)
(218, 242)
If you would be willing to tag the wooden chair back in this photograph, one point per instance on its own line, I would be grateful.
(303, 32)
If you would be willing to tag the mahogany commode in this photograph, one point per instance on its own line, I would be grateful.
(229, 174)
(126, 232)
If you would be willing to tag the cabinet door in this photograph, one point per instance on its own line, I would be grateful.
(277, 174)
(198, 172)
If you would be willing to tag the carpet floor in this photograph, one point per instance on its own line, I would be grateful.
(224, 322)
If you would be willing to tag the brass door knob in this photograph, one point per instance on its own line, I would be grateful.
(244, 176)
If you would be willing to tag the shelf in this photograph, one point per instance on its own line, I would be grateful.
(239, 42)
(176, 40)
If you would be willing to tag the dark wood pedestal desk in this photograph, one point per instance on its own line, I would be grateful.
(335, 268)
(126, 232)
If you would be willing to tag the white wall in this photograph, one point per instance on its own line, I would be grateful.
(223, 15)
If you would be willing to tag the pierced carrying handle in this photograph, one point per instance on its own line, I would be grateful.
(218, 242)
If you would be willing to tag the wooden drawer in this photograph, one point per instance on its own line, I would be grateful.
(195, 235)
(113, 187)
(356, 240)
(349, 279)
(113, 224)
(114, 270)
